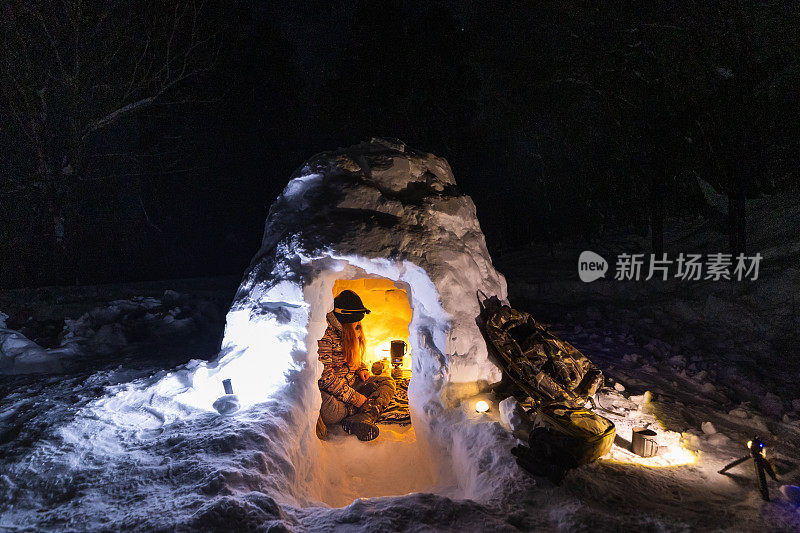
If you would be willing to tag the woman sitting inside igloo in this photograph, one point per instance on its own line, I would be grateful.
(350, 396)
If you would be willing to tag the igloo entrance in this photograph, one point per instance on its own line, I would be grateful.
(396, 462)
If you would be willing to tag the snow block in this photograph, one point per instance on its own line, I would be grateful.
(20, 355)
(791, 493)
(227, 404)
(511, 415)
(708, 428)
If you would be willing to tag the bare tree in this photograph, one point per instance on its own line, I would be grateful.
(74, 69)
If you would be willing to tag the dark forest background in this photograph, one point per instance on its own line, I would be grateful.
(147, 139)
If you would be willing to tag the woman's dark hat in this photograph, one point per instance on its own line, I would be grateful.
(348, 308)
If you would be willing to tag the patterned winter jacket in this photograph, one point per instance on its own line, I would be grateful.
(337, 378)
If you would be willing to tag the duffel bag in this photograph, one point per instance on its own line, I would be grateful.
(571, 436)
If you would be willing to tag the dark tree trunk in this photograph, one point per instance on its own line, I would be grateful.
(60, 201)
(657, 189)
(741, 221)
(737, 229)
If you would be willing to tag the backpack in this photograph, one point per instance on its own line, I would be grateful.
(567, 438)
(574, 436)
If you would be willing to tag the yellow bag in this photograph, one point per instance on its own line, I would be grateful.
(570, 436)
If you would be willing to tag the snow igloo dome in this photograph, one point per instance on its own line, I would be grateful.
(391, 224)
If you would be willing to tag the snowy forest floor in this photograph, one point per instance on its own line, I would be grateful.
(720, 360)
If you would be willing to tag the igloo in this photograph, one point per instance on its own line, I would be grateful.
(391, 223)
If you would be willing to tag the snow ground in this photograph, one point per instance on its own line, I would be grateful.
(718, 360)
(396, 455)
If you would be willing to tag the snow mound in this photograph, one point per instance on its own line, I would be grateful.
(114, 326)
(20, 355)
(111, 328)
(377, 210)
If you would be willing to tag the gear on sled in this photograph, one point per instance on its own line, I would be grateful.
(556, 380)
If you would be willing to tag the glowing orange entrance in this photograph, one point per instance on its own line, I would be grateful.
(389, 319)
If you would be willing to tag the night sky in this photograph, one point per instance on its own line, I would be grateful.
(561, 120)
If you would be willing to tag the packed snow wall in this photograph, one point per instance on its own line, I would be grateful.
(376, 209)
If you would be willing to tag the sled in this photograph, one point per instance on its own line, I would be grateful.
(558, 380)
(544, 367)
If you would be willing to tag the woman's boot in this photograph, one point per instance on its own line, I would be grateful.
(362, 424)
(379, 391)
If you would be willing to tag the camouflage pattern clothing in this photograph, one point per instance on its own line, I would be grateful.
(546, 368)
(338, 379)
